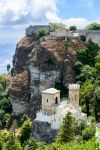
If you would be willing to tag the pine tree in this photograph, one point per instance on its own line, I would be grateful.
(68, 129)
(25, 131)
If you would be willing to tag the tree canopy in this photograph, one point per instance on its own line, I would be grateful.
(93, 26)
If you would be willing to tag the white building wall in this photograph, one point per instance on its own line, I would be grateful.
(56, 120)
(42, 117)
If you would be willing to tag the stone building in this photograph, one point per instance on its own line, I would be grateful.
(54, 110)
(50, 99)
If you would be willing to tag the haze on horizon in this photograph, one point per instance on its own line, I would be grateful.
(16, 15)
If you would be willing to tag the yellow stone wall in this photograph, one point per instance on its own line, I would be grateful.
(49, 107)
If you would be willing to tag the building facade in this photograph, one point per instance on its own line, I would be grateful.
(53, 110)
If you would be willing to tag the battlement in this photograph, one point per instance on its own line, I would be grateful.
(74, 87)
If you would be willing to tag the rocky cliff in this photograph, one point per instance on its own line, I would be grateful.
(41, 64)
(42, 132)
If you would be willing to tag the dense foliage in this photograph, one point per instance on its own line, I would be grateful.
(71, 136)
(68, 128)
(41, 32)
(72, 28)
(93, 26)
(5, 106)
(88, 75)
(55, 26)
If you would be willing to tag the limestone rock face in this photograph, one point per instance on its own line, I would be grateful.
(23, 49)
(40, 64)
(42, 132)
(20, 94)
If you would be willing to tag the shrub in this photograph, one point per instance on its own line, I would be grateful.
(89, 132)
(78, 66)
(41, 32)
(72, 28)
(83, 38)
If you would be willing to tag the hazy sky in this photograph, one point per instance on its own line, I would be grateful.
(16, 15)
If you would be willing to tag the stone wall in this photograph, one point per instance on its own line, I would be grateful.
(34, 29)
(90, 34)
(95, 36)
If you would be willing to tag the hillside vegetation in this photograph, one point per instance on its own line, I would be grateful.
(5, 105)
(88, 75)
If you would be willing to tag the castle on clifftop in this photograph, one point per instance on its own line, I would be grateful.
(54, 110)
(94, 35)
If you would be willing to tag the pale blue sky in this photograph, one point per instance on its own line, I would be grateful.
(16, 15)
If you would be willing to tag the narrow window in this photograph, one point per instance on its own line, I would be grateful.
(56, 100)
(47, 100)
(75, 97)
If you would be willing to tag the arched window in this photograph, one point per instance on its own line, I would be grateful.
(56, 100)
(75, 97)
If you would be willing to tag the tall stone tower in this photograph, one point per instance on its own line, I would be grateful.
(74, 90)
(50, 99)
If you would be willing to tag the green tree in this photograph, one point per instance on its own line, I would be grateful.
(5, 105)
(13, 143)
(25, 131)
(31, 144)
(83, 38)
(55, 26)
(8, 67)
(97, 102)
(87, 55)
(12, 71)
(68, 128)
(97, 58)
(41, 32)
(72, 28)
(89, 132)
(93, 26)
(78, 66)
(87, 96)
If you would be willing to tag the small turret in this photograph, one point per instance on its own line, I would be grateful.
(74, 90)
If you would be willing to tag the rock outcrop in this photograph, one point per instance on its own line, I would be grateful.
(42, 132)
(41, 64)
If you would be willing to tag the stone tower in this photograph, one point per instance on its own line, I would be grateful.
(74, 90)
(50, 99)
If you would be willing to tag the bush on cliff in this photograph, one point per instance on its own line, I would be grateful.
(41, 32)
